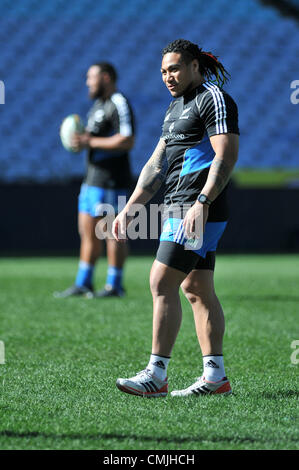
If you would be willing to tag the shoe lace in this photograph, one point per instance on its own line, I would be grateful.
(144, 373)
(197, 381)
(199, 378)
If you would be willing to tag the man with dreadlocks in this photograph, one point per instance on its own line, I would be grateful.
(200, 144)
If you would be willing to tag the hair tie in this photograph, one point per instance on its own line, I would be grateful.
(210, 55)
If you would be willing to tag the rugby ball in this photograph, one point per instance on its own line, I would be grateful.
(71, 125)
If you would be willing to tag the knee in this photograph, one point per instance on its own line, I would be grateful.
(197, 292)
(190, 291)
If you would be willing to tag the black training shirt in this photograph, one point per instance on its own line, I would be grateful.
(189, 122)
(109, 169)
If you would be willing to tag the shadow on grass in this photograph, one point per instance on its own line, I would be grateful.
(140, 438)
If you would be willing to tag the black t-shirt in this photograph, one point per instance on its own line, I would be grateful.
(189, 122)
(109, 169)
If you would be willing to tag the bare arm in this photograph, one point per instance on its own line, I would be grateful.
(226, 154)
(152, 176)
(225, 147)
(149, 182)
(115, 142)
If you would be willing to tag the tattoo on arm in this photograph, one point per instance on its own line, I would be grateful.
(219, 174)
(152, 174)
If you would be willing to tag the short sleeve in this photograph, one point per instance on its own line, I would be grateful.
(219, 112)
(122, 117)
(165, 125)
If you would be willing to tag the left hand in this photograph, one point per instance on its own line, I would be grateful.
(195, 219)
(80, 141)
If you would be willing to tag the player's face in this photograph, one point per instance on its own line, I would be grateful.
(94, 82)
(176, 74)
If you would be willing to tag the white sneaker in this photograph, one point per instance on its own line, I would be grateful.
(205, 387)
(144, 384)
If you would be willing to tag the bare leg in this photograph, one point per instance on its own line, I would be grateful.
(167, 311)
(91, 246)
(116, 253)
(198, 287)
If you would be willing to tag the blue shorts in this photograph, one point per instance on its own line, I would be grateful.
(173, 232)
(99, 201)
(177, 252)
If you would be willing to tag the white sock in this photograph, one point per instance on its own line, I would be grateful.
(158, 366)
(213, 368)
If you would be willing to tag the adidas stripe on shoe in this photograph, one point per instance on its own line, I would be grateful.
(144, 384)
(205, 387)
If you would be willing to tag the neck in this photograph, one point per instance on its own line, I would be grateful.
(195, 84)
(198, 82)
(109, 92)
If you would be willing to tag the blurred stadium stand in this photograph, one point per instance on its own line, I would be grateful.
(47, 47)
(285, 7)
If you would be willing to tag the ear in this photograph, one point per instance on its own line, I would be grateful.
(195, 65)
(106, 77)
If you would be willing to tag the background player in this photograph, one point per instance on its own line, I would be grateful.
(200, 143)
(108, 138)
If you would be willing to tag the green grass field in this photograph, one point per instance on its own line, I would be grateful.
(266, 178)
(57, 386)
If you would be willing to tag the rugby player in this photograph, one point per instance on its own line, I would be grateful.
(200, 144)
(108, 138)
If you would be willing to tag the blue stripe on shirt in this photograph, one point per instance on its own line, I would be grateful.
(199, 157)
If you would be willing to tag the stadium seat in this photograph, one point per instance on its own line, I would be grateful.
(49, 46)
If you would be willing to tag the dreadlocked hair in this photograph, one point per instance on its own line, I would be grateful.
(209, 65)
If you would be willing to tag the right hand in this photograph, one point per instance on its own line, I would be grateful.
(119, 226)
(80, 141)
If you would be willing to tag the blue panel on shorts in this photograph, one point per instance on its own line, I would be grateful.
(173, 232)
(99, 201)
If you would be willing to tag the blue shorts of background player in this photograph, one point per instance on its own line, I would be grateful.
(93, 200)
